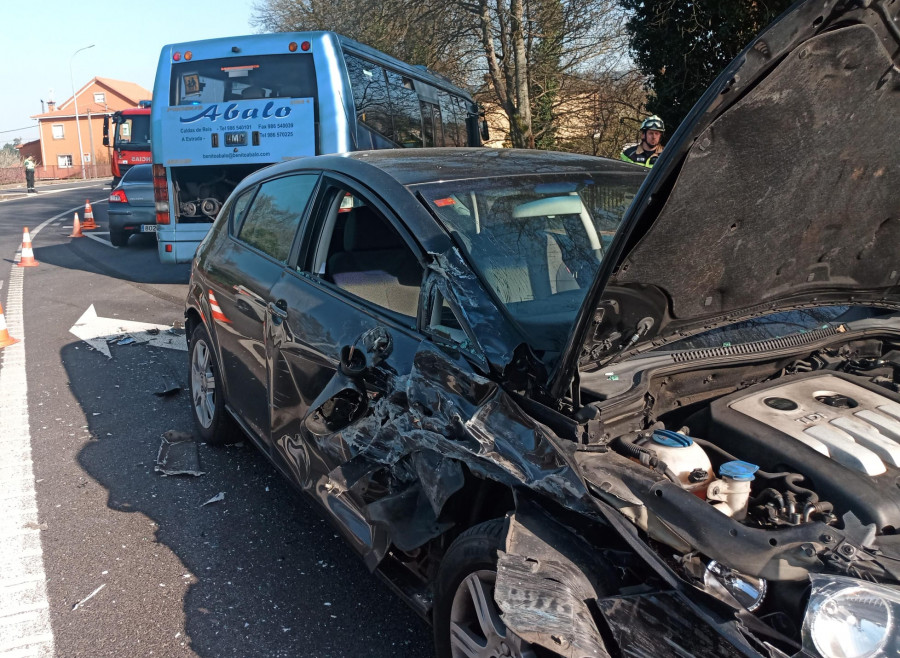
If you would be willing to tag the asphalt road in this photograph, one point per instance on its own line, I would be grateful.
(133, 562)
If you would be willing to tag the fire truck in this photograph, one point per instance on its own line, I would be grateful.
(130, 138)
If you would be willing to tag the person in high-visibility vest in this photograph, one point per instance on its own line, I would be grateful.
(647, 151)
(29, 174)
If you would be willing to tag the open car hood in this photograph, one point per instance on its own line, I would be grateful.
(779, 189)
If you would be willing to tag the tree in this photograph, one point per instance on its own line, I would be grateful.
(9, 155)
(532, 49)
(682, 45)
(423, 32)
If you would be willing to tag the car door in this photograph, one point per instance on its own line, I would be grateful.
(353, 298)
(263, 232)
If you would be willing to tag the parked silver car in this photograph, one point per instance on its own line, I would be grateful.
(131, 205)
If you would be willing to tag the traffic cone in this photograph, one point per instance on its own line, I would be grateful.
(216, 311)
(27, 259)
(76, 229)
(5, 338)
(89, 223)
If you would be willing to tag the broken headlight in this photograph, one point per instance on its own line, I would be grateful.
(848, 618)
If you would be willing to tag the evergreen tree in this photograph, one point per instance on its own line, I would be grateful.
(682, 45)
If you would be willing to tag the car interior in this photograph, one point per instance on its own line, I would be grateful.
(362, 253)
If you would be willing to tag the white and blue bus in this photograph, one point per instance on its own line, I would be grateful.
(223, 108)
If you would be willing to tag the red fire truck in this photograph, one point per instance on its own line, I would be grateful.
(130, 139)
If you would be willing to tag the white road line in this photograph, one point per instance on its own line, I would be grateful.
(92, 236)
(20, 552)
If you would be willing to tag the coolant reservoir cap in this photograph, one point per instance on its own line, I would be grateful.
(738, 470)
(672, 439)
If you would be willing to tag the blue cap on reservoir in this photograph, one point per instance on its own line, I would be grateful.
(738, 470)
(671, 439)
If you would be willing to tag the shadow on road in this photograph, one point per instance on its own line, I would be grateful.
(267, 575)
(138, 263)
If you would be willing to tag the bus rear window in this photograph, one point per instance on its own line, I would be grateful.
(243, 78)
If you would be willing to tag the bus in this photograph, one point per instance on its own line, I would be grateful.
(223, 108)
(131, 138)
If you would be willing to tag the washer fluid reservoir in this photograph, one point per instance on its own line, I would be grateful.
(687, 460)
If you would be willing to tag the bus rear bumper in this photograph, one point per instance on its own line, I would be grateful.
(179, 244)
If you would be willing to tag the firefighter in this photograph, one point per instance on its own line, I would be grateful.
(647, 151)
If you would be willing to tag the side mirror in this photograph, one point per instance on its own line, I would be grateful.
(106, 131)
(485, 133)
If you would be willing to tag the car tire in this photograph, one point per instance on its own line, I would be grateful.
(213, 423)
(118, 238)
(464, 594)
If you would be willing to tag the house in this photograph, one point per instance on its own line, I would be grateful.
(59, 127)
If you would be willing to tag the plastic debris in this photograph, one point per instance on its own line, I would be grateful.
(169, 389)
(126, 341)
(178, 455)
(88, 597)
(215, 499)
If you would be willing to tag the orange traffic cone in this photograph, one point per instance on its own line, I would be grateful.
(89, 222)
(5, 338)
(27, 259)
(76, 229)
(216, 310)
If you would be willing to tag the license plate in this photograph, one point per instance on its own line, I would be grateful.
(148, 228)
(235, 139)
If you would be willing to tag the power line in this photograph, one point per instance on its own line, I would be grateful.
(15, 130)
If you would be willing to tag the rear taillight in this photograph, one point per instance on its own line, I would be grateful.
(161, 194)
(118, 196)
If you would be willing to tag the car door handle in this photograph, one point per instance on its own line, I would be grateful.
(278, 309)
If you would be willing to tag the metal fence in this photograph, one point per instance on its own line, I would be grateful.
(16, 175)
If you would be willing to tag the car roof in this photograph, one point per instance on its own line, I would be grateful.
(416, 166)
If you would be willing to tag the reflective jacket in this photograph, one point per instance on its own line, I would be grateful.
(644, 158)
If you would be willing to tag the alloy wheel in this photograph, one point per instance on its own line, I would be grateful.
(203, 384)
(476, 630)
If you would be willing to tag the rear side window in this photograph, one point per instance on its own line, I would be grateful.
(273, 218)
(373, 109)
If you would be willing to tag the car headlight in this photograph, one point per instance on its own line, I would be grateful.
(849, 618)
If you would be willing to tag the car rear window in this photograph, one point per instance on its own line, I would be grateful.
(139, 174)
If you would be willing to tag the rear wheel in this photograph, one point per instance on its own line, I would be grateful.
(118, 238)
(466, 618)
(207, 398)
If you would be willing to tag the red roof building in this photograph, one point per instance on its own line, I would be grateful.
(59, 130)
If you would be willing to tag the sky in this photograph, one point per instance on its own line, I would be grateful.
(40, 38)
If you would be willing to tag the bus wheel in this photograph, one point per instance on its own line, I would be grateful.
(466, 617)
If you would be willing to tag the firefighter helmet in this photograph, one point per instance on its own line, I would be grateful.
(653, 123)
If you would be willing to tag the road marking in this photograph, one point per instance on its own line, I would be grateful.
(96, 331)
(92, 236)
(20, 548)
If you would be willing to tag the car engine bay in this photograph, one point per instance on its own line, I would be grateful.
(761, 476)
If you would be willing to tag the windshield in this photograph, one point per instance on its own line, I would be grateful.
(243, 78)
(133, 133)
(536, 240)
(775, 325)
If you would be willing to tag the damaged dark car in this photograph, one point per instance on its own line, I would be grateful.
(566, 409)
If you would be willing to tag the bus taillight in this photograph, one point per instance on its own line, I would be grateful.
(161, 194)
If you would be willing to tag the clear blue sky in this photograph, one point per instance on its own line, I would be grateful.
(39, 39)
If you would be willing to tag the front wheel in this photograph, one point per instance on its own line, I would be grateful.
(211, 419)
(466, 618)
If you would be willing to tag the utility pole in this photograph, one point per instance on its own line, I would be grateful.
(77, 124)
